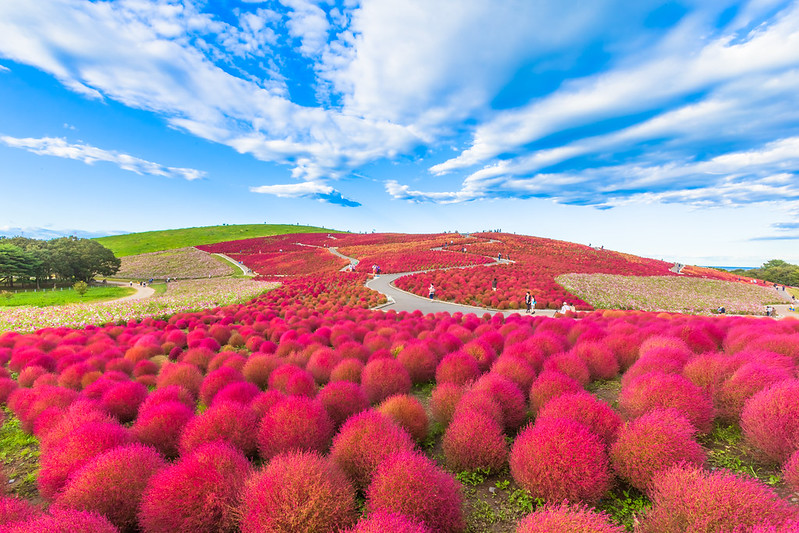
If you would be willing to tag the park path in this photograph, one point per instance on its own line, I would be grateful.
(244, 270)
(140, 294)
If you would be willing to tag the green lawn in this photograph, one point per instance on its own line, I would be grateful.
(156, 241)
(67, 296)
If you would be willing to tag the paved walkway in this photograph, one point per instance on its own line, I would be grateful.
(244, 270)
(140, 294)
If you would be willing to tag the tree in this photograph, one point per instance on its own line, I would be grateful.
(81, 259)
(81, 287)
(15, 263)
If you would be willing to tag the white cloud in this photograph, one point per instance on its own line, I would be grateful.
(59, 147)
(4, 69)
(307, 22)
(308, 189)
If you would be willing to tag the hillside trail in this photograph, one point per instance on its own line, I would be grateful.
(140, 294)
(244, 270)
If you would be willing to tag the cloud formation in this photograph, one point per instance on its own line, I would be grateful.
(59, 147)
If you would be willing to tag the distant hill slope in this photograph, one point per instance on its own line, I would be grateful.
(156, 241)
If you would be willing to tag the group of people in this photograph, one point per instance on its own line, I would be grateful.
(376, 270)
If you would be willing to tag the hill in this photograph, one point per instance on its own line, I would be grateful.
(156, 241)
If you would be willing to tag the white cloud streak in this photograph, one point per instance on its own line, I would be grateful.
(59, 147)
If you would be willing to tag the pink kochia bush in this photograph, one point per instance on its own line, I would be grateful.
(112, 484)
(657, 389)
(548, 385)
(408, 412)
(64, 521)
(559, 459)
(790, 471)
(298, 492)
(123, 399)
(564, 517)
(13, 509)
(198, 493)
(161, 426)
(653, 442)
(364, 441)
(585, 408)
(443, 400)
(770, 420)
(292, 380)
(342, 399)
(507, 395)
(411, 484)
(458, 368)
(295, 423)
(230, 422)
(474, 440)
(383, 522)
(747, 381)
(686, 498)
(382, 378)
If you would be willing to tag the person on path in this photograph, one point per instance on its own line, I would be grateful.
(528, 301)
(494, 285)
(431, 290)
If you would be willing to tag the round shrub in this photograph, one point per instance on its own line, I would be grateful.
(560, 459)
(564, 517)
(516, 369)
(458, 368)
(72, 452)
(183, 374)
(264, 402)
(710, 370)
(349, 369)
(408, 412)
(653, 442)
(747, 381)
(585, 408)
(474, 440)
(161, 426)
(601, 361)
(41, 399)
(656, 389)
(13, 509)
(112, 484)
(790, 471)
(483, 402)
(216, 381)
(172, 393)
(342, 399)
(292, 380)
(687, 498)
(385, 522)
(29, 375)
(7, 386)
(65, 422)
(663, 360)
(383, 378)
(419, 360)
(443, 400)
(549, 385)
(198, 493)
(510, 399)
(65, 521)
(364, 441)
(242, 392)
(482, 352)
(296, 423)
(123, 400)
(770, 420)
(298, 492)
(258, 368)
(231, 422)
(570, 364)
(411, 484)
(322, 363)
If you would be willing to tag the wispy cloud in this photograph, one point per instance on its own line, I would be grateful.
(4, 69)
(47, 233)
(309, 189)
(59, 147)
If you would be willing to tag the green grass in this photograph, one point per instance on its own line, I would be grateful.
(46, 298)
(156, 241)
(19, 458)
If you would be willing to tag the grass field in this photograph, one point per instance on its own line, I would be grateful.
(156, 241)
(59, 297)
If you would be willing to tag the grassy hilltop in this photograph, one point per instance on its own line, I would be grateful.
(156, 241)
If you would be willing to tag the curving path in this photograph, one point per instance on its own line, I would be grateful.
(244, 270)
(140, 294)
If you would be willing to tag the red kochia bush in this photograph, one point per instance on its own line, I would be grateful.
(65, 521)
(507, 395)
(230, 422)
(411, 484)
(474, 440)
(443, 400)
(264, 402)
(656, 441)
(686, 498)
(383, 378)
(564, 517)
(570, 364)
(172, 393)
(656, 389)
(7, 386)
(216, 381)
(242, 392)
(161, 426)
(516, 369)
(790, 471)
(548, 385)
(385, 522)
(745, 383)
(408, 412)
(123, 400)
(298, 492)
(200, 492)
(560, 459)
(364, 441)
(296, 423)
(258, 368)
(322, 362)
(601, 361)
(770, 420)
(65, 457)
(349, 369)
(585, 408)
(342, 399)
(292, 380)
(13, 509)
(458, 368)
(112, 484)
(183, 374)
(419, 360)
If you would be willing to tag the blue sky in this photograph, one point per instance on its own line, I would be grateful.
(667, 129)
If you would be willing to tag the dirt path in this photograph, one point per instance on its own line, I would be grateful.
(140, 294)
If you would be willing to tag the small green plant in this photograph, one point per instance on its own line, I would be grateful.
(81, 287)
(473, 477)
(524, 501)
(436, 430)
(773, 480)
(503, 484)
(625, 505)
(6, 294)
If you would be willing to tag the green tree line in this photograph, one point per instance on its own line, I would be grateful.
(66, 258)
(775, 271)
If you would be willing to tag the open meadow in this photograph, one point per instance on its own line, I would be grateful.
(292, 403)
